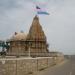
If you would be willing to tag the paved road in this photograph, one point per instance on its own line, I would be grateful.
(67, 68)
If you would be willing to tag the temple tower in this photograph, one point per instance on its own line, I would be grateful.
(36, 38)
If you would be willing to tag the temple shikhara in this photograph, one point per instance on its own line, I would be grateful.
(34, 43)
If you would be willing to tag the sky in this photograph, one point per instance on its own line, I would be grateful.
(59, 26)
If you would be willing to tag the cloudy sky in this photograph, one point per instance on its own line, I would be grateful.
(59, 26)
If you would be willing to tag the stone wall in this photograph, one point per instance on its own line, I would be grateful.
(25, 66)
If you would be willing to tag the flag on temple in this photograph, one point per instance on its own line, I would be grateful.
(38, 7)
(41, 11)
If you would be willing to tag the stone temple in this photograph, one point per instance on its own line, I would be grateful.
(32, 44)
(27, 54)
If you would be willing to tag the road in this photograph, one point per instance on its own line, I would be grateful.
(67, 68)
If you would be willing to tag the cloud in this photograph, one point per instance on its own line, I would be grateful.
(59, 27)
(14, 16)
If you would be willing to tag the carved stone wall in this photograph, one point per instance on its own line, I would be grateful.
(25, 66)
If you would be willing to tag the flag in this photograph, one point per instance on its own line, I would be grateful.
(38, 7)
(41, 11)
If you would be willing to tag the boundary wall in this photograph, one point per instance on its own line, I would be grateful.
(26, 65)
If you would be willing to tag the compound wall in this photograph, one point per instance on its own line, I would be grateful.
(26, 66)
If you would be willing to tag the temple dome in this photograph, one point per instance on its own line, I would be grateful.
(18, 36)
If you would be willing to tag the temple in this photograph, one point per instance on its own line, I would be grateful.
(32, 44)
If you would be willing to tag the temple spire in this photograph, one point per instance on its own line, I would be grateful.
(35, 20)
(36, 17)
(36, 31)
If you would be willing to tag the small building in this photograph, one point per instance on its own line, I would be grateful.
(17, 44)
